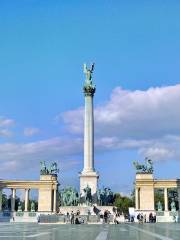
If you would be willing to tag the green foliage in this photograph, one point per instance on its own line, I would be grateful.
(4, 201)
(173, 195)
(159, 197)
(123, 203)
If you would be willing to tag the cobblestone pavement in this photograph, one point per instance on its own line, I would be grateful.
(90, 232)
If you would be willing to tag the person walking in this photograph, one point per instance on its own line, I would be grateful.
(72, 217)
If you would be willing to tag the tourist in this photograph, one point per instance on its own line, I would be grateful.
(67, 217)
(78, 212)
(138, 217)
(72, 217)
(144, 217)
(154, 218)
(105, 216)
(101, 218)
(116, 219)
(150, 217)
(77, 221)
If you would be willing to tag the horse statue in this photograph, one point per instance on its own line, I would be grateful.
(70, 197)
(43, 168)
(144, 168)
(87, 195)
(53, 168)
(105, 196)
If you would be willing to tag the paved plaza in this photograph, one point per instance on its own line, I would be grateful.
(90, 232)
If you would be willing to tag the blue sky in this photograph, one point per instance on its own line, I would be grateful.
(136, 50)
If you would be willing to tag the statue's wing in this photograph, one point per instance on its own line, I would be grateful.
(92, 67)
(84, 67)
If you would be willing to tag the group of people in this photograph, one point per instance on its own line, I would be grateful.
(117, 219)
(73, 218)
(143, 219)
(105, 218)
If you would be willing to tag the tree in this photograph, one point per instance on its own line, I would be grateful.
(123, 203)
(159, 197)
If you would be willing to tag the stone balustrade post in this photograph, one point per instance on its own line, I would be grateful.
(166, 199)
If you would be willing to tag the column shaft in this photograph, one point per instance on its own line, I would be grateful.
(13, 197)
(165, 199)
(89, 134)
(26, 199)
(55, 201)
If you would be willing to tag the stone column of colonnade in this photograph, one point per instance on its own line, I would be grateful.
(13, 197)
(26, 200)
(165, 199)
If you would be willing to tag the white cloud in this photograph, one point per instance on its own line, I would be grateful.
(5, 133)
(29, 132)
(135, 119)
(6, 122)
(24, 156)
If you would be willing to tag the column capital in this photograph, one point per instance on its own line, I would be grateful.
(89, 90)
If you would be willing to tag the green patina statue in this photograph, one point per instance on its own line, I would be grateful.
(53, 169)
(173, 206)
(89, 88)
(144, 168)
(87, 195)
(69, 197)
(19, 207)
(32, 206)
(159, 206)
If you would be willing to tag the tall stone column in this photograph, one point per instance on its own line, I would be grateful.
(13, 197)
(165, 199)
(88, 176)
(26, 200)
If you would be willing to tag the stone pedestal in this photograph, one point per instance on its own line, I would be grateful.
(47, 194)
(144, 192)
(84, 209)
(90, 179)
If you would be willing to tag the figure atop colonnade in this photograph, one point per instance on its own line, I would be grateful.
(53, 169)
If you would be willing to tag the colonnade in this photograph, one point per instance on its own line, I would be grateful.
(26, 199)
(47, 188)
(138, 198)
(13, 198)
(145, 186)
(166, 198)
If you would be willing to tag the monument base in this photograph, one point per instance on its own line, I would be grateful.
(85, 210)
(90, 179)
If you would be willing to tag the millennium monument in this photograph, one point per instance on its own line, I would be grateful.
(89, 176)
(89, 195)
